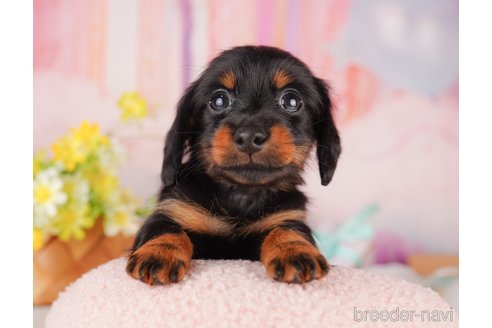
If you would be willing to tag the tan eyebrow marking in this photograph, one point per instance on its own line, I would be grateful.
(228, 80)
(193, 217)
(281, 78)
(274, 220)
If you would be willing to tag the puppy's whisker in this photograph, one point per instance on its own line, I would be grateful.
(194, 168)
(322, 120)
(207, 147)
(323, 146)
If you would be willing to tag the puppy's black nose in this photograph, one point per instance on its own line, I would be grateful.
(250, 140)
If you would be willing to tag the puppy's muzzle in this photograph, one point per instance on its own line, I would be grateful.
(250, 139)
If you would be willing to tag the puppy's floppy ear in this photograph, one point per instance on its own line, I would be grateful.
(177, 137)
(328, 142)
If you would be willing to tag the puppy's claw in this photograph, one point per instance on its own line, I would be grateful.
(323, 264)
(279, 269)
(131, 264)
(174, 272)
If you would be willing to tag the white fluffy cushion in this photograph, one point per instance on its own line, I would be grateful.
(239, 294)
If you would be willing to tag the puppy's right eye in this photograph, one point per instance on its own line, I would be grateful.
(220, 101)
(290, 101)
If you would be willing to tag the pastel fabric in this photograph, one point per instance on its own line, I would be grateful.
(239, 294)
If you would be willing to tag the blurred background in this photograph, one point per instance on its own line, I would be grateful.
(392, 66)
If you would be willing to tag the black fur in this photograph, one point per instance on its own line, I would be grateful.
(255, 102)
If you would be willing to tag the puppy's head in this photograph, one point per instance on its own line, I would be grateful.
(251, 119)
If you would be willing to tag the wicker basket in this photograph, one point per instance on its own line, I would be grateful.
(59, 263)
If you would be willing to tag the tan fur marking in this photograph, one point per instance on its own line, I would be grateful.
(278, 238)
(279, 150)
(281, 79)
(282, 142)
(193, 217)
(300, 155)
(228, 80)
(273, 220)
(181, 242)
(222, 145)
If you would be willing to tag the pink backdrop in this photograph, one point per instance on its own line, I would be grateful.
(393, 67)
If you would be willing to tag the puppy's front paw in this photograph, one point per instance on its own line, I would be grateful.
(163, 260)
(288, 257)
(297, 267)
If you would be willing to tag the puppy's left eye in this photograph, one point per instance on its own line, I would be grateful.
(220, 101)
(290, 101)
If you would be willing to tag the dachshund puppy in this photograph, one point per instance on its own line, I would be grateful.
(233, 160)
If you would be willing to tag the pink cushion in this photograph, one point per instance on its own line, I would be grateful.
(239, 294)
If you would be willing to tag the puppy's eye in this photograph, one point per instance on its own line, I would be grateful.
(290, 101)
(220, 101)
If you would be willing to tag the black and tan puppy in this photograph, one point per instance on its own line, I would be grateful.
(232, 163)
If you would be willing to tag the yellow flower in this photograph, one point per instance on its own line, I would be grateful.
(104, 185)
(133, 106)
(37, 163)
(80, 183)
(37, 239)
(68, 151)
(89, 135)
(72, 221)
(75, 147)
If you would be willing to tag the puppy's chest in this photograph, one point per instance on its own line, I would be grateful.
(244, 216)
(230, 212)
(240, 208)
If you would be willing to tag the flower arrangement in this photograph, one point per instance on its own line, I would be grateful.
(78, 184)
